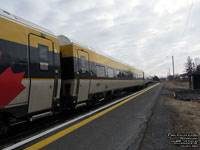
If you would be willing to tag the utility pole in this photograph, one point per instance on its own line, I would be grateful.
(173, 65)
(168, 74)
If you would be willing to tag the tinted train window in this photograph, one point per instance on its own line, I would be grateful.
(134, 76)
(122, 74)
(101, 71)
(43, 53)
(126, 74)
(83, 62)
(110, 73)
(117, 73)
(130, 75)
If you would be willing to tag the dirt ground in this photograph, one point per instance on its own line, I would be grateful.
(175, 124)
(187, 120)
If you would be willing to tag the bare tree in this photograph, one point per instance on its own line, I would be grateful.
(189, 65)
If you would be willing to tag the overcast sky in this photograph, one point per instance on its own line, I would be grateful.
(142, 33)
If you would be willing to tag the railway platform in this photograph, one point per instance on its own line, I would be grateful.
(118, 127)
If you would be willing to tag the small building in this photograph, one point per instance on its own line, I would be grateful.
(184, 77)
(194, 80)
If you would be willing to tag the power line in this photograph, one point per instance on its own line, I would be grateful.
(186, 22)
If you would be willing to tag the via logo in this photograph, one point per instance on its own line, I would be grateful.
(10, 86)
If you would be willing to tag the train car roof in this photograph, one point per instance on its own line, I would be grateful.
(63, 40)
(22, 21)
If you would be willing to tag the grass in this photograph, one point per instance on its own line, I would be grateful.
(170, 85)
(187, 118)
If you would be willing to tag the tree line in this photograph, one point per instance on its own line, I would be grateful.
(190, 66)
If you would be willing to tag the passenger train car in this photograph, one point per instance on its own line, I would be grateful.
(42, 74)
(30, 77)
(88, 75)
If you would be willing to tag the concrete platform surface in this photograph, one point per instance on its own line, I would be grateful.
(119, 128)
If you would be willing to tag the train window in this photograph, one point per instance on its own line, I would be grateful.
(117, 73)
(43, 53)
(100, 71)
(125, 74)
(83, 62)
(130, 75)
(134, 76)
(110, 73)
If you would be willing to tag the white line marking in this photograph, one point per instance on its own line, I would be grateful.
(69, 122)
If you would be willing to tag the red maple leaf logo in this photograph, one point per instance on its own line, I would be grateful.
(10, 86)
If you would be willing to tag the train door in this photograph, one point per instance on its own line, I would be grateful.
(41, 70)
(84, 81)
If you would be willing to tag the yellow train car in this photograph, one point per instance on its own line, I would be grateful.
(29, 70)
(41, 74)
(87, 74)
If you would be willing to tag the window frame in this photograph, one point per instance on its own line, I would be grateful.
(85, 61)
(104, 70)
(41, 58)
(113, 75)
(117, 75)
